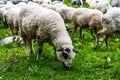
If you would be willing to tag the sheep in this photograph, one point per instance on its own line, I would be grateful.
(66, 13)
(46, 25)
(42, 1)
(111, 24)
(8, 6)
(100, 5)
(88, 18)
(77, 2)
(116, 3)
(11, 17)
(11, 39)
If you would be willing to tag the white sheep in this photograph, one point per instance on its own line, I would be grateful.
(116, 3)
(66, 13)
(87, 18)
(11, 39)
(42, 1)
(46, 25)
(11, 17)
(111, 24)
(100, 5)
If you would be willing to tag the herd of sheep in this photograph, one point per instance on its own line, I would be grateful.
(44, 21)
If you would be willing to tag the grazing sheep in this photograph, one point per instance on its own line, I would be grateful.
(116, 3)
(8, 6)
(77, 2)
(11, 17)
(111, 24)
(100, 5)
(88, 18)
(46, 25)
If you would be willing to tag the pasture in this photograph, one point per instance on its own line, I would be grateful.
(89, 64)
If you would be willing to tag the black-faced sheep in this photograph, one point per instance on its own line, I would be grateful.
(46, 25)
(111, 24)
(87, 18)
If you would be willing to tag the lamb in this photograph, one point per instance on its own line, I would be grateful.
(46, 25)
(111, 24)
(77, 2)
(89, 18)
(100, 5)
(116, 3)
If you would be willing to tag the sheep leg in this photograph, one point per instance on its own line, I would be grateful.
(81, 32)
(5, 24)
(31, 46)
(97, 39)
(74, 28)
(91, 31)
(39, 52)
(26, 47)
(106, 41)
(55, 54)
(12, 29)
(40, 45)
(95, 30)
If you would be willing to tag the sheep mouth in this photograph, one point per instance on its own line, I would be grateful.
(66, 67)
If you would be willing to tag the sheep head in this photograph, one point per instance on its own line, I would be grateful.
(65, 54)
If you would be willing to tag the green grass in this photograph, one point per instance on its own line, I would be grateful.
(89, 64)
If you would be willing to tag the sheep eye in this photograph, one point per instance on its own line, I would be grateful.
(67, 50)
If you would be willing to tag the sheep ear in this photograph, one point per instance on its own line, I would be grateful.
(75, 51)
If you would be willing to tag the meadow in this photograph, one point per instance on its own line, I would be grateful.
(89, 64)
